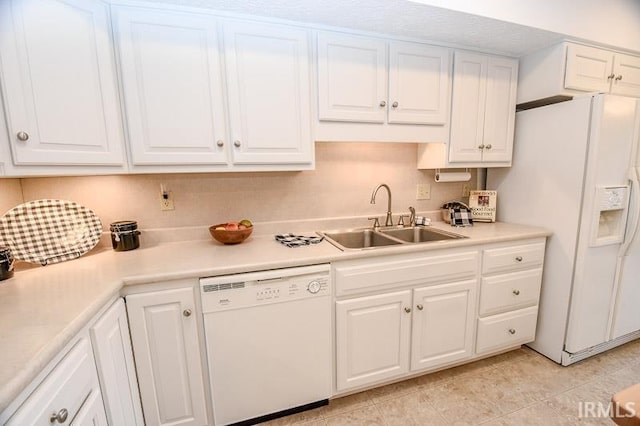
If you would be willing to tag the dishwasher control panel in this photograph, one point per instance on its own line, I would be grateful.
(242, 290)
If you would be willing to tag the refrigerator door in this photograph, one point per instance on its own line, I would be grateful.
(611, 142)
(626, 311)
(544, 188)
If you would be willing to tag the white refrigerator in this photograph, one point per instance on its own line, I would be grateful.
(575, 172)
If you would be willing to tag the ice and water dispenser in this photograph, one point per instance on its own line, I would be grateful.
(610, 215)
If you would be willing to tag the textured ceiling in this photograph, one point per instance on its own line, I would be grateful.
(397, 17)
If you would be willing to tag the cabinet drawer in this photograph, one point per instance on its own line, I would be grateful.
(506, 330)
(512, 258)
(66, 387)
(511, 291)
(389, 272)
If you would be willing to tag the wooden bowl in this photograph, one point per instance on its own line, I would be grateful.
(229, 237)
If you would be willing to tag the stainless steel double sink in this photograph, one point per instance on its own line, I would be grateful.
(367, 238)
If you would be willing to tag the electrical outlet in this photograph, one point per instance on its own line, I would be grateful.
(423, 191)
(465, 191)
(166, 201)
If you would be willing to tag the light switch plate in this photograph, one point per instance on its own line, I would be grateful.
(423, 191)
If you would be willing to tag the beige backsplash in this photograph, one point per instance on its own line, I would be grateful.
(340, 186)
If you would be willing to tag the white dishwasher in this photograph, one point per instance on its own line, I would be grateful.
(268, 340)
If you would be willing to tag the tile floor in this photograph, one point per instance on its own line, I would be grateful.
(517, 388)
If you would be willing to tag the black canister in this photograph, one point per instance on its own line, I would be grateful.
(125, 235)
(6, 263)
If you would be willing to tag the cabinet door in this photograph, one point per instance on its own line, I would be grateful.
(116, 370)
(167, 353)
(59, 82)
(443, 321)
(419, 82)
(588, 68)
(627, 75)
(500, 109)
(372, 338)
(352, 78)
(468, 107)
(172, 87)
(268, 84)
(92, 412)
(65, 388)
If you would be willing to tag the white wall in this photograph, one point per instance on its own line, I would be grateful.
(612, 22)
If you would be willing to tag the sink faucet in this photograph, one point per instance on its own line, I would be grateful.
(388, 221)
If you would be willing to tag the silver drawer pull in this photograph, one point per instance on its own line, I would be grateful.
(220, 143)
(23, 136)
(383, 103)
(236, 144)
(619, 77)
(60, 416)
(519, 259)
(420, 307)
(395, 104)
(512, 331)
(407, 310)
(186, 312)
(481, 146)
(516, 292)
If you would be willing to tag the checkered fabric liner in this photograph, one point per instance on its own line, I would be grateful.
(49, 231)
(291, 240)
(460, 217)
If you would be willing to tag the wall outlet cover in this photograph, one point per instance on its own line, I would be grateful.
(423, 191)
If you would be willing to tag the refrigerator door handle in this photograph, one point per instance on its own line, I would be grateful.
(634, 217)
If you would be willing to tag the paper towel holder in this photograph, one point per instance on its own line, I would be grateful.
(452, 176)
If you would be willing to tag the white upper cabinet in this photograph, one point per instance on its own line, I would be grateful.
(482, 114)
(171, 76)
(419, 89)
(627, 75)
(567, 69)
(588, 69)
(269, 93)
(597, 70)
(354, 85)
(178, 111)
(372, 89)
(59, 83)
(352, 78)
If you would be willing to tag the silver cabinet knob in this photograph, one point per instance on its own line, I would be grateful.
(512, 331)
(383, 103)
(481, 146)
(488, 146)
(518, 258)
(236, 144)
(610, 76)
(186, 312)
(516, 292)
(420, 307)
(619, 77)
(407, 310)
(395, 104)
(220, 143)
(23, 136)
(60, 416)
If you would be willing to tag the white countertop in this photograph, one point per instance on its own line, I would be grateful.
(43, 308)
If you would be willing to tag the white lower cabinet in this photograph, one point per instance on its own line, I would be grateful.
(116, 370)
(427, 324)
(400, 315)
(69, 394)
(372, 338)
(166, 346)
(443, 321)
(510, 291)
